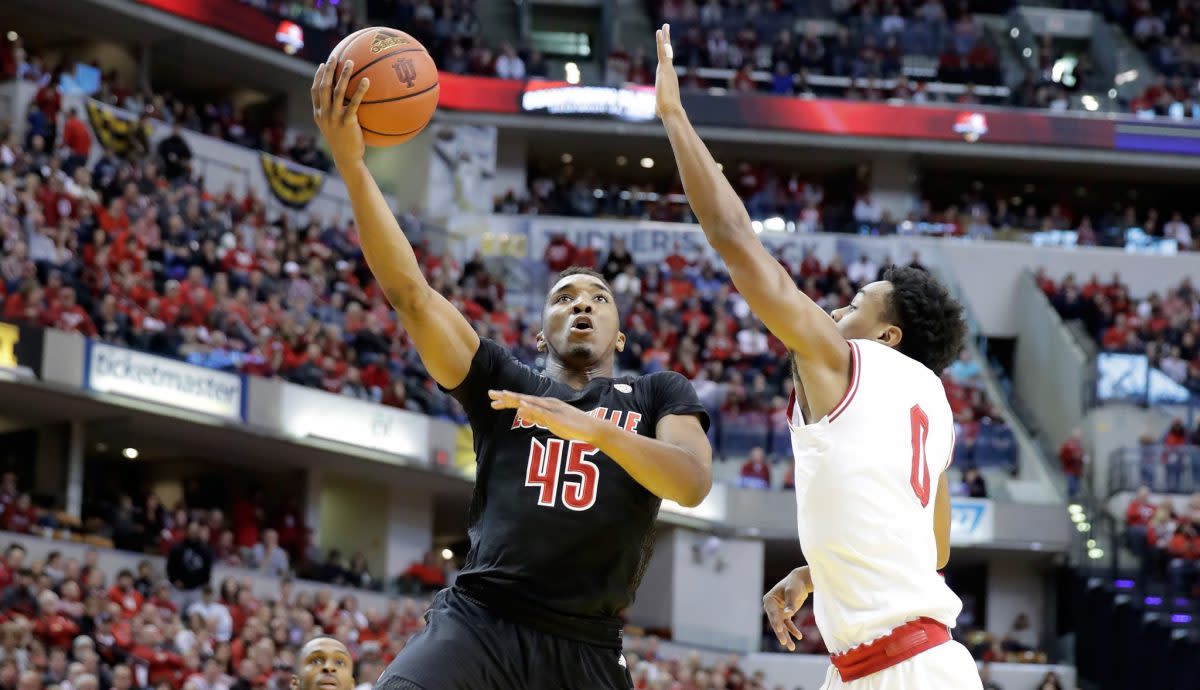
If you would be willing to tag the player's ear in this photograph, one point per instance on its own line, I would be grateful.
(620, 341)
(541, 341)
(891, 335)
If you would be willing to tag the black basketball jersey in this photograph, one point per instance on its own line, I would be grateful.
(560, 533)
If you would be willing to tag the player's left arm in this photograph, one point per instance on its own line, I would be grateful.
(675, 465)
(773, 296)
(941, 521)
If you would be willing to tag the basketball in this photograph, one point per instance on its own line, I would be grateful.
(404, 83)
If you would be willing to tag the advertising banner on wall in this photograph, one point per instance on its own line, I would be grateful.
(295, 186)
(110, 369)
(285, 186)
(653, 242)
(316, 414)
(972, 521)
(21, 348)
(256, 24)
(976, 125)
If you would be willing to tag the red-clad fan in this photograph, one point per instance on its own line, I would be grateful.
(69, 316)
(1140, 509)
(125, 595)
(21, 516)
(52, 627)
(14, 561)
(154, 658)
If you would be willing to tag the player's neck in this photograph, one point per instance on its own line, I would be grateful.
(578, 378)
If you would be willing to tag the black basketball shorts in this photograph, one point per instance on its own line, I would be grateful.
(464, 646)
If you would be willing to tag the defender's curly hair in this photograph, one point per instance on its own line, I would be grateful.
(932, 320)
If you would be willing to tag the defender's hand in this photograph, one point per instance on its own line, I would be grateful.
(337, 119)
(556, 416)
(666, 81)
(782, 603)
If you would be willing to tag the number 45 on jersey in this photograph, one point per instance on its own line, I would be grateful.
(578, 474)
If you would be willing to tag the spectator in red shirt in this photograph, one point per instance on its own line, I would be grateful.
(1137, 520)
(560, 254)
(743, 79)
(125, 595)
(427, 573)
(1140, 509)
(22, 516)
(680, 287)
(77, 139)
(14, 561)
(247, 518)
(151, 653)
(69, 316)
(756, 474)
(1174, 454)
(1073, 458)
(52, 627)
(49, 101)
(1184, 549)
(587, 256)
(676, 261)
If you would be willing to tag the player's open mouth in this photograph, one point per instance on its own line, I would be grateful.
(581, 323)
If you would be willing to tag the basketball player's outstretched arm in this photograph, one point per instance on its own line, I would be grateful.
(443, 337)
(774, 298)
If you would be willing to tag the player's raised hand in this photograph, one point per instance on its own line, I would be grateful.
(336, 117)
(554, 415)
(666, 81)
(782, 603)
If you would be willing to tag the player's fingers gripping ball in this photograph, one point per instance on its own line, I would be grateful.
(403, 79)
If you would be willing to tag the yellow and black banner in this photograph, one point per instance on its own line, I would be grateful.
(294, 186)
(21, 347)
(113, 127)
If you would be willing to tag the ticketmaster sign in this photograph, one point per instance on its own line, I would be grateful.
(164, 381)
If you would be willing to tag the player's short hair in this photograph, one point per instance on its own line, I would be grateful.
(582, 271)
(932, 320)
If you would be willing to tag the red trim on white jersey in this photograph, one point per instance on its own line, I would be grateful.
(796, 418)
(855, 372)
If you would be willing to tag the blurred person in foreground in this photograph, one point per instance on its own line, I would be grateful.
(323, 664)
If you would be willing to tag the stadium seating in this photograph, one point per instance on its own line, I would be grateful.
(870, 54)
(1166, 33)
(1165, 327)
(110, 618)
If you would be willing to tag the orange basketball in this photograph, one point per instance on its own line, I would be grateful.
(404, 83)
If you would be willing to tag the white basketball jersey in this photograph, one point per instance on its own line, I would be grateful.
(866, 478)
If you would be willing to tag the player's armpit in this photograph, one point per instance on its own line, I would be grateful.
(444, 338)
(941, 521)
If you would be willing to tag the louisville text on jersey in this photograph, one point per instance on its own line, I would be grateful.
(625, 419)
